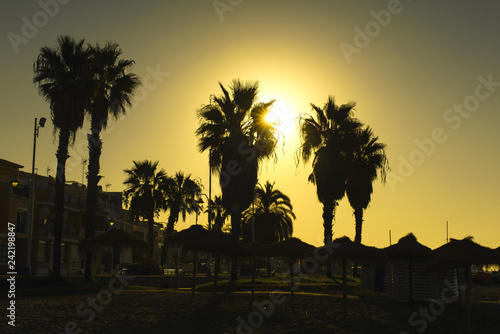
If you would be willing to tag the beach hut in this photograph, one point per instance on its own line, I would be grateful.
(406, 279)
(462, 253)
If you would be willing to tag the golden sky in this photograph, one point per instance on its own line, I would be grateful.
(425, 76)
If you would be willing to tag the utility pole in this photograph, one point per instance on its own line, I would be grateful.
(447, 239)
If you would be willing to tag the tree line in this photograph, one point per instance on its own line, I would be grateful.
(81, 80)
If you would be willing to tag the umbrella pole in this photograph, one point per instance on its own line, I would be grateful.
(216, 269)
(292, 278)
(177, 278)
(459, 294)
(468, 292)
(194, 274)
(253, 274)
(410, 278)
(344, 286)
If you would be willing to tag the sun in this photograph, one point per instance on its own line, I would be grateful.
(281, 117)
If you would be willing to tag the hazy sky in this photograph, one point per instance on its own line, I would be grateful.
(424, 75)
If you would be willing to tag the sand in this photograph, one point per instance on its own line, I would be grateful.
(171, 311)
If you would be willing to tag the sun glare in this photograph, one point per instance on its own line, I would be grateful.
(281, 117)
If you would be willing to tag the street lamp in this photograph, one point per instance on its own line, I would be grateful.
(209, 201)
(31, 212)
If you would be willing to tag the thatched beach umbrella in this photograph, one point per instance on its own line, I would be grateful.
(255, 246)
(409, 249)
(114, 238)
(345, 249)
(219, 243)
(462, 253)
(291, 249)
(190, 234)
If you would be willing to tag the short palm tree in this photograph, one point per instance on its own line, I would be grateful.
(182, 198)
(272, 216)
(62, 75)
(234, 130)
(330, 137)
(111, 91)
(145, 195)
(369, 158)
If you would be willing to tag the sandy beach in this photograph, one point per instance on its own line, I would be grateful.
(172, 311)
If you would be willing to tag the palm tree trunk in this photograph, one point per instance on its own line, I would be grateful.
(62, 156)
(168, 230)
(95, 148)
(235, 234)
(358, 215)
(328, 215)
(151, 237)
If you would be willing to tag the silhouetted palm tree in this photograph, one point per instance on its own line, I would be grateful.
(273, 214)
(331, 138)
(144, 194)
(369, 158)
(112, 88)
(234, 129)
(219, 214)
(182, 197)
(62, 75)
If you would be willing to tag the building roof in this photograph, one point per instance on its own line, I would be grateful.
(9, 167)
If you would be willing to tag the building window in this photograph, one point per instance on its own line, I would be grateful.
(22, 220)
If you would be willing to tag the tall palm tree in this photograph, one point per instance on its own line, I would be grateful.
(145, 195)
(272, 215)
(112, 88)
(62, 75)
(182, 198)
(234, 130)
(330, 138)
(369, 158)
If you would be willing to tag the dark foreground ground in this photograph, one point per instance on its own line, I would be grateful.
(319, 310)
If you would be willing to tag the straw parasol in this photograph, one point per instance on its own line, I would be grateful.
(292, 248)
(218, 243)
(345, 249)
(408, 248)
(192, 233)
(115, 238)
(462, 253)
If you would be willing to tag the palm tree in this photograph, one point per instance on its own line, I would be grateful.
(182, 197)
(369, 158)
(218, 213)
(145, 195)
(272, 215)
(331, 139)
(62, 75)
(234, 130)
(112, 88)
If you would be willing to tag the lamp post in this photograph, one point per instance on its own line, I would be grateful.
(31, 212)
